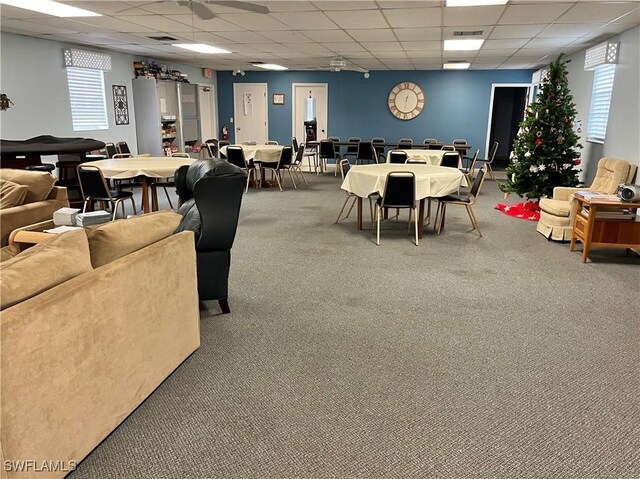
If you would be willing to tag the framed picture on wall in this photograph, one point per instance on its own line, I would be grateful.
(278, 98)
(120, 105)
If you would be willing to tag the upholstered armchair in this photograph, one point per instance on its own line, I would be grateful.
(556, 213)
(210, 194)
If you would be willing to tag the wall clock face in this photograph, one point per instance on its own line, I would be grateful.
(406, 100)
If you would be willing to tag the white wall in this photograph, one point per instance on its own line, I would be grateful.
(623, 129)
(34, 78)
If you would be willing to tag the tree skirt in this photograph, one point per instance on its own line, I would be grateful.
(528, 210)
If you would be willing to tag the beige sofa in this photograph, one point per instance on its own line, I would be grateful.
(39, 203)
(556, 213)
(91, 324)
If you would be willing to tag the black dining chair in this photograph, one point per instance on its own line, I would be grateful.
(235, 156)
(400, 193)
(465, 200)
(366, 152)
(94, 187)
(396, 156)
(286, 160)
(448, 148)
(378, 144)
(450, 159)
(405, 144)
(429, 141)
(336, 140)
(434, 146)
(471, 164)
(352, 147)
(296, 164)
(345, 166)
(489, 159)
(221, 144)
(326, 152)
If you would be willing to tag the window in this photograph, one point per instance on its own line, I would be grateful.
(600, 102)
(86, 93)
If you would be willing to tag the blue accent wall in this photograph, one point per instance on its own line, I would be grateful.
(457, 104)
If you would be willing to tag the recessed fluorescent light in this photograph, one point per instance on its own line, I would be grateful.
(269, 66)
(50, 8)
(452, 45)
(474, 3)
(456, 66)
(200, 47)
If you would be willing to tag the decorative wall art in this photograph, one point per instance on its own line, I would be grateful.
(120, 105)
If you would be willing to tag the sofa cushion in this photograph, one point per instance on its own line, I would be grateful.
(11, 194)
(44, 266)
(40, 183)
(8, 252)
(555, 207)
(118, 238)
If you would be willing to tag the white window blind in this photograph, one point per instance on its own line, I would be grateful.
(600, 103)
(88, 105)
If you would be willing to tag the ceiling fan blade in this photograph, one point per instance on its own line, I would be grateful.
(249, 7)
(201, 10)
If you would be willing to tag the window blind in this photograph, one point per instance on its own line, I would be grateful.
(88, 105)
(600, 103)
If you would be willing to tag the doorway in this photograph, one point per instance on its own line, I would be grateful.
(508, 104)
(250, 113)
(206, 107)
(300, 93)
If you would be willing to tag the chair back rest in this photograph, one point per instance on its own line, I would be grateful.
(286, 156)
(180, 154)
(180, 177)
(459, 141)
(400, 189)
(475, 156)
(218, 199)
(494, 150)
(353, 148)
(435, 146)
(477, 183)
(396, 156)
(450, 159)
(448, 148)
(327, 149)
(294, 142)
(428, 141)
(271, 142)
(366, 151)
(611, 173)
(92, 183)
(416, 161)
(122, 147)
(299, 155)
(110, 149)
(405, 144)
(235, 156)
(211, 149)
(345, 166)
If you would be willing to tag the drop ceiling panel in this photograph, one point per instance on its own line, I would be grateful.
(548, 43)
(213, 25)
(414, 55)
(527, 14)
(285, 36)
(26, 27)
(421, 46)
(472, 16)
(306, 20)
(382, 46)
(502, 44)
(358, 19)
(516, 31)
(326, 36)
(418, 34)
(570, 29)
(598, 12)
(104, 7)
(116, 24)
(254, 21)
(349, 5)
(346, 46)
(373, 35)
(159, 23)
(418, 17)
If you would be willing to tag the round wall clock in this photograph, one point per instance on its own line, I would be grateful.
(406, 100)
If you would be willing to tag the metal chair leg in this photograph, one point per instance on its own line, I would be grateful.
(378, 212)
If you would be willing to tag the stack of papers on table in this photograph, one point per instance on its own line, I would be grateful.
(65, 216)
(92, 218)
(62, 229)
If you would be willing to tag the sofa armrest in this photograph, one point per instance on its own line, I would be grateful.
(23, 215)
(59, 193)
(563, 193)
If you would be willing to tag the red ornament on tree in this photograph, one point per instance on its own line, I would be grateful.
(566, 120)
(577, 162)
(538, 141)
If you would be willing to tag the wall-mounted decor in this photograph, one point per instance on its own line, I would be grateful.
(406, 100)
(120, 106)
(5, 102)
(278, 98)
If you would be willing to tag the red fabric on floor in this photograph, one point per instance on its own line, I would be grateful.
(528, 210)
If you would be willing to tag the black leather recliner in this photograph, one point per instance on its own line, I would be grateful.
(210, 193)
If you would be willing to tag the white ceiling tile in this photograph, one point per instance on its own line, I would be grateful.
(469, 16)
(494, 53)
(68, 25)
(599, 12)
(19, 13)
(290, 6)
(607, 31)
(285, 36)
(356, 55)
(242, 37)
(421, 46)
(373, 35)
(468, 56)
(500, 44)
(548, 43)
(358, 19)
(253, 21)
(116, 24)
(382, 46)
(306, 20)
(570, 29)
(425, 54)
(165, 8)
(214, 25)
(159, 23)
(104, 7)
(527, 14)
(405, 5)
(325, 36)
(345, 47)
(22, 26)
(310, 48)
(342, 5)
(418, 34)
(417, 17)
(516, 31)
(269, 47)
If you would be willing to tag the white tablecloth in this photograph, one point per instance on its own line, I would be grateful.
(433, 157)
(431, 181)
(150, 166)
(264, 153)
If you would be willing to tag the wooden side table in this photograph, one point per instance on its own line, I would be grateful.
(592, 231)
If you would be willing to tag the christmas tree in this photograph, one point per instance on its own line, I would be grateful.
(545, 150)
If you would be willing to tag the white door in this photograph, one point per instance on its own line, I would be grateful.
(208, 122)
(250, 112)
(301, 91)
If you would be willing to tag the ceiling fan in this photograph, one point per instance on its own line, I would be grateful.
(339, 64)
(203, 12)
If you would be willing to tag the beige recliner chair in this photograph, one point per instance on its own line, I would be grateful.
(556, 214)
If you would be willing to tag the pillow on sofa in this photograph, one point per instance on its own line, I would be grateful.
(44, 266)
(11, 194)
(121, 237)
(40, 183)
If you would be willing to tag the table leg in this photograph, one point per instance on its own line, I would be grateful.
(586, 244)
(576, 209)
(359, 214)
(421, 218)
(145, 194)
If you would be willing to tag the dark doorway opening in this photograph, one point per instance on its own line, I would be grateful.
(508, 107)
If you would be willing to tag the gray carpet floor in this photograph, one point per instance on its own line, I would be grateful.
(463, 357)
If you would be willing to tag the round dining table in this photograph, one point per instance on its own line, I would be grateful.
(433, 157)
(431, 182)
(145, 168)
(260, 153)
